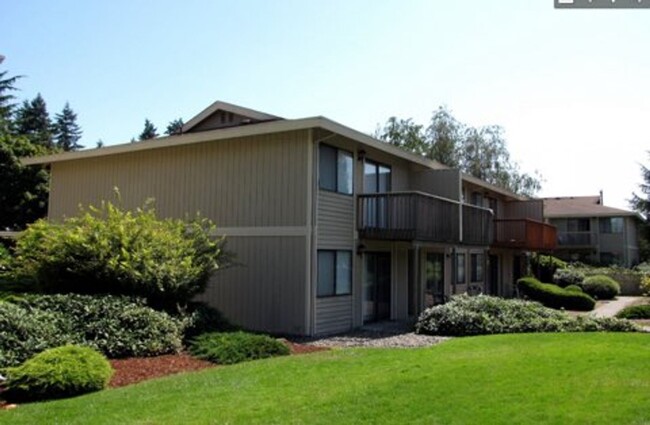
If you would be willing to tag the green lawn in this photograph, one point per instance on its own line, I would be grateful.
(508, 379)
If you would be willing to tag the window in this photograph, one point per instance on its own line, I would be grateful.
(477, 263)
(460, 268)
(611, 225)
(376, 177)
(578, 225)
(477, 199)
(334, 273)
(335, 169)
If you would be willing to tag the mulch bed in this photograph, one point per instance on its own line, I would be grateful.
(137, 369)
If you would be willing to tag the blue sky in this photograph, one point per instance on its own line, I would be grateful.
(570, 87)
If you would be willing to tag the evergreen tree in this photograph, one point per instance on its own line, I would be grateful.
(149, 131)
(6, 98)
(641, 204)
(175, 127)
(66, 130)
(33, 121)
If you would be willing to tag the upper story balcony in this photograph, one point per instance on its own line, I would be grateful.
(418, 216)
(525, 234)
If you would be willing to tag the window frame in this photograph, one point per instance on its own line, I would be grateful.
(606, 225)
(335, 273)
(476, 259)
(376, 166)
(338, 152)
(458, 264)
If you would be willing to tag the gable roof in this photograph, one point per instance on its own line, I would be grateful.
(580, 206)
(253, 115)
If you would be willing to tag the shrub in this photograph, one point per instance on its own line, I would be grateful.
(635, 312)
(115, 326)
(26, 331)
(115, 251)
(601, 287)
(569, 276)
(645, 284)
(574, 288)
(5, 259)
(546, 265)
(58, 372)
(481, 315)
(553, 296)
(200, 318)
(235, 347)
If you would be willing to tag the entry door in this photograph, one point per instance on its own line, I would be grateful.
(376, 287)
(494, 275)
(434, 292)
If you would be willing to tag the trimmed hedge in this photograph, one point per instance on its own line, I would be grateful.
(635, 312)
(567, 277)
(601, 287)
(57, 373)
(482, 315)
(235, 347)
(553, 296)
(115, 326)
(574, 288)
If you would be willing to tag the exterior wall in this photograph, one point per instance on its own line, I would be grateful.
(246, 182)
(335, 220)
(333, 314)
(256, 189)
(445, 183)
(266, 289)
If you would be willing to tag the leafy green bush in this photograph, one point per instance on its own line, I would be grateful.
(635, 312)
(200, 318)
(481, 315)
(235, 347)
(574, 288)
(57, 373)
(5, 259)
(544, 266)
(568, 276)
(115, 251)
(115, 326)
(645, 284)
(26, 331)
(601, 287)
(553, 296)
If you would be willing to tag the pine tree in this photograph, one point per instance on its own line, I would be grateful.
(641, 204)
(33, 121)
(66, 130)
(6, 105)
(149, 132)
(175, 127)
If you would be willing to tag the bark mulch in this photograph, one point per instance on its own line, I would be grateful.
(137, 369)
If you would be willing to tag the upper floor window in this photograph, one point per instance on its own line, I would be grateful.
(335, 169)
(611, 225)
(376, 177)
(578, 225)
(477, 199)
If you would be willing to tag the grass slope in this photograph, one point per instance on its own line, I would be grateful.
(542, 378)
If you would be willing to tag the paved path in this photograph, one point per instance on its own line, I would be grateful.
(610, 308)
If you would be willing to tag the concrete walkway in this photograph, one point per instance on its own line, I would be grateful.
(610, 308)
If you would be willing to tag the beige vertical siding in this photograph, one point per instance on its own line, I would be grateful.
(445, 183)
(265, 291)
(252, 181)
(335, 220)
(333, 315)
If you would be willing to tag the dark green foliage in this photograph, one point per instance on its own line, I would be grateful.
(568, 276)
(641, 204)
(174, 128)
(33, 121)
(601, 287)
(58, 373)
(635, 312)
(149, 131)
(7, 85)
(545, 266)
(115, 251)
(235, 347)
(553, 296)
(26, 331)
(481, 315)
(66, 130)
(23, 198)
(200, 318)
(575, 288)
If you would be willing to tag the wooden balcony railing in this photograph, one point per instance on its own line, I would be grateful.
(530, 235)
(420, 216)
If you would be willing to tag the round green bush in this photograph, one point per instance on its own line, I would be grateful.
(553, 296)
(635, 312)
(601, 287)
(57, 373)
(235, 347)
(121, 252)
(482, 315)
(200, 318)
(568, 276)
(574, 288)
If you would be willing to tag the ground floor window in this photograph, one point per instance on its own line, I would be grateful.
(460, 269)
(334, 273)
(477, 267)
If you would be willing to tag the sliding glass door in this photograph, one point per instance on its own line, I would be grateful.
(376, 286)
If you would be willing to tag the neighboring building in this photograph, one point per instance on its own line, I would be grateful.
(593, 233)
(331, 227)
